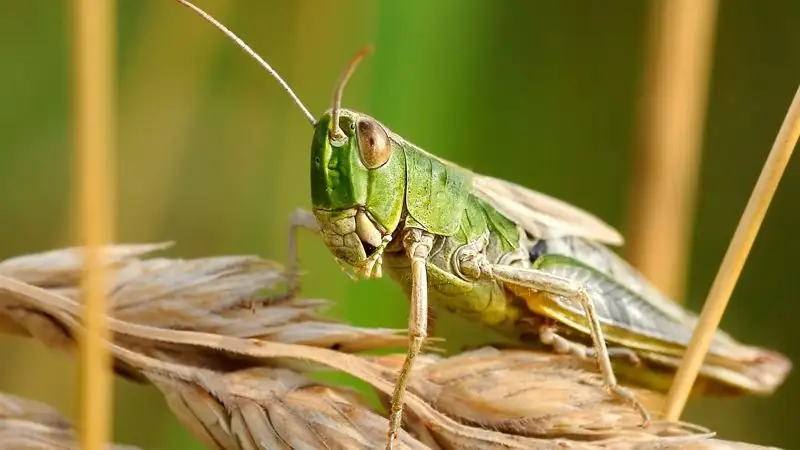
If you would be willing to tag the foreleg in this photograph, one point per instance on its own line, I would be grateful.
(300, 219)
(417, 244)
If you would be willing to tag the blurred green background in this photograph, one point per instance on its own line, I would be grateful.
(213, 154)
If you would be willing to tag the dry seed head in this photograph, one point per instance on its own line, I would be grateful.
(442, 427)
(269, 408)
(62, 267)
(225, 387)
(224, 295)
(27, 424)
(532, 394)
(13, 407)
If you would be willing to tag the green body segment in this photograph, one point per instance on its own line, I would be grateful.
(483, 301)
(385, 193)
(508, 234)
(436, 193)
(338, 180)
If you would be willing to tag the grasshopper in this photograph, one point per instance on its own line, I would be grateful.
(507, 257)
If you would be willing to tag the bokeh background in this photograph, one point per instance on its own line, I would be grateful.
(213, 154)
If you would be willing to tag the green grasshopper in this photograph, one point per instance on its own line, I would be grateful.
(509, 258)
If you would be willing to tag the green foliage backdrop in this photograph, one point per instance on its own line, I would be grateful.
(213, 154)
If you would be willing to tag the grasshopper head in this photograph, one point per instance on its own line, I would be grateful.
(357, 188)
(357, 172)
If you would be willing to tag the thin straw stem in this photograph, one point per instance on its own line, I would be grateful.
(94, 111)
(664, 178)
(734, 259)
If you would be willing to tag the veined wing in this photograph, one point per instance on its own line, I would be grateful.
(660, 330)
(540, 215)
(633, 316)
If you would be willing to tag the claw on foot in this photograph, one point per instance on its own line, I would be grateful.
(626, 395)
(562, 345)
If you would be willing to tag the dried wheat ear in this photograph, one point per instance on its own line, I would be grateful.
(236, 363)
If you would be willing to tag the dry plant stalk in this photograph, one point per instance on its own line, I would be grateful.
(664, 176)
(244, 388)
(94, 23)
(734, 260)
(30, 425)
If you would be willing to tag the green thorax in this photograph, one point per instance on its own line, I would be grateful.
(439, 198)
(437, 192)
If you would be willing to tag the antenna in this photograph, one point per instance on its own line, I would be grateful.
(335, 133)
(255, 56)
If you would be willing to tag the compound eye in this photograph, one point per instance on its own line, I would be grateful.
(373, 143)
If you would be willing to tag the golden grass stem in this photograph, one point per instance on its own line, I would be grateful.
(735, 258)
(665, 170)
(94, 111)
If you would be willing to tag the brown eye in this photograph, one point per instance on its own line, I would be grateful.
(373, 142)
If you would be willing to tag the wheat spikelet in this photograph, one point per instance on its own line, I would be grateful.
(224, 295)
(234, 366)
(269, 406)
(29, 425)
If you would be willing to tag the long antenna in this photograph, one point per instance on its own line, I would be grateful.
(336, 133)
(255, 56)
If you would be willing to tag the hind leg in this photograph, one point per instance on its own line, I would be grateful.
(543, 281)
